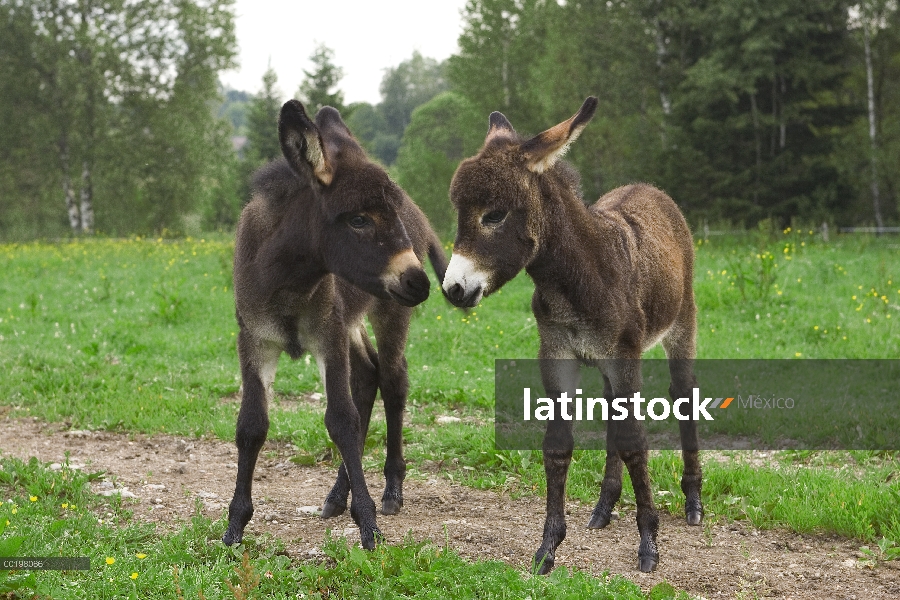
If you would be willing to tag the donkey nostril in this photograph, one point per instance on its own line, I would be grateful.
(455, 292)
(415, 283)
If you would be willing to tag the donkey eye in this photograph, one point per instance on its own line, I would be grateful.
(493, 217)
(357, 221)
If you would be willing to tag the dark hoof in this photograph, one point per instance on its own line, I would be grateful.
(368, 542)
(332, 509)
(599, 521)
(693, 508)
(647, 564)
(390, 506)
(233, 535)
(543, 563)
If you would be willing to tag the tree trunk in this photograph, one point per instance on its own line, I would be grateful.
(87, 199)
(758, 144)
(664, 99)
(68, 192)
(86, 56)
(876, 192)
(660, 63)
(782, 140)
(504, 74)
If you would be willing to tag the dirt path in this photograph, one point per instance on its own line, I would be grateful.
(724, 560)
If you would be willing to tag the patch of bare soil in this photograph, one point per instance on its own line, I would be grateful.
(167, 475)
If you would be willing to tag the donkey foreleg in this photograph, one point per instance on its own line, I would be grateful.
(692, 477)
(558, 445)
(257, 371)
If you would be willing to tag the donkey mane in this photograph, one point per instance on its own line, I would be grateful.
(277, 183)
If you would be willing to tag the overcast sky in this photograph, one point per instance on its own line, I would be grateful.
(366, 37)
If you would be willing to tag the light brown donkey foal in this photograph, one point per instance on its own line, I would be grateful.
(610, 281)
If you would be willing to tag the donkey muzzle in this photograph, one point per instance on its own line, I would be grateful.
(464, 284)
(405, 279)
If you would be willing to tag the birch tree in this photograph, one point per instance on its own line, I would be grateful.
(98, 76)
(871, 17)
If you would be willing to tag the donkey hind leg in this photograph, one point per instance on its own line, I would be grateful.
(363, 387)
(630, 439)
(390, 322)
(558, 376)
(680, 352)
(258, 364)
(611, 488)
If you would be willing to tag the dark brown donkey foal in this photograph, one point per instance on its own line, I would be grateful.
(327, 239)
(610, 281)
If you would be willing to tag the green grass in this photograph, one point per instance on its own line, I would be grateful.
(139, 335)
(53, 513)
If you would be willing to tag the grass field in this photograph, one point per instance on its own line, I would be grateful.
(139, 335)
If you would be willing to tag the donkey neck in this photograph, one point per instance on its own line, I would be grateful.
(293, 251)
(580, 254)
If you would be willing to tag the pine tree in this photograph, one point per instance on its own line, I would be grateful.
(262, 122)
(316, 90)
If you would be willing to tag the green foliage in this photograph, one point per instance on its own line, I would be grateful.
(262, 122)
(234, 109)
(741, 113)
(318, 89)
(113, 105)
(442, 132)
(772, 78)
(52, 513)
(410, 84)
(497, 47)
(422, 570)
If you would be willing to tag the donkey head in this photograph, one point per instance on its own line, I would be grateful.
(501, 198)
(361, 236)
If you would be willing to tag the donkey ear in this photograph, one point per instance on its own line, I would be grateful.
(301, 143)
(498, 124)
(543, 150)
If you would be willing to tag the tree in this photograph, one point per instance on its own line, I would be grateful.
(757, 104)
(500, 41)
(262, 122)
(117, 93)
(441, 133)
(603, 49)
(871, 21)
(410, 84)
(318, 89)
(234, 108)
(369, 127)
